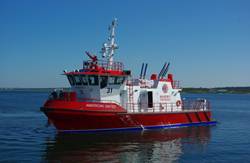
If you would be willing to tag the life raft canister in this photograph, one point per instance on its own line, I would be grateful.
(178, 103)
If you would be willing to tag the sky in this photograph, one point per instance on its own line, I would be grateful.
(207, 42)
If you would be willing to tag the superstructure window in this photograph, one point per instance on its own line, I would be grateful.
(120, 80)
(84, 80)
(111, 80)
(93, 80)
(78, 80)
(103, 81)
(71, 79)
(115, 80)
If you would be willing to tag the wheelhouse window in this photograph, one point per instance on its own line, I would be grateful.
(78, 80)
(103, 81)
(120, 80)
(93, 80)
(111, 80)
(84, 80)
(71, 79)
(115, 80)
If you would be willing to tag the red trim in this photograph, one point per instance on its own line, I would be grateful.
(106, 72)
(153, 77)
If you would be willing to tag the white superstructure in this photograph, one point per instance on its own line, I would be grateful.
(107, 81)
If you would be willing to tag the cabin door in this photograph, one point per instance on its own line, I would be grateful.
(150, 99)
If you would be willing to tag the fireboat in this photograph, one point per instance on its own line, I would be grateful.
(105, 97)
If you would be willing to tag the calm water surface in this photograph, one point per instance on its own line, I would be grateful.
(25, 136)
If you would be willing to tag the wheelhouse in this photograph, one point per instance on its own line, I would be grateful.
(102, 81)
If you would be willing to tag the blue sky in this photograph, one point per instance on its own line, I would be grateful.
(207, 42)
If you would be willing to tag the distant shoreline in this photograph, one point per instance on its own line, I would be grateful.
(221, 90)
(30, 89)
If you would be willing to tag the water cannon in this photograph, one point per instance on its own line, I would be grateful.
(92, 57)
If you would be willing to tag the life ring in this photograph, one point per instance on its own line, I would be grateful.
(178, 103)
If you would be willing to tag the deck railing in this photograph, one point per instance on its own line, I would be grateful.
(116, 66)
(176, 84)
(148, 83)
(190, 105)
(201, 104)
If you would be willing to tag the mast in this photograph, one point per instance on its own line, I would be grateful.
(110, 46)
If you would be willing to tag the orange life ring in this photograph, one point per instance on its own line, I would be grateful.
(178, 103)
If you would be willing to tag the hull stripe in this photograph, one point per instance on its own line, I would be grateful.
(197, 116)
(142, 128)
(189, 118)
(206, 116)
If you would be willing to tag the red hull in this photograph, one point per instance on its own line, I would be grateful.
(76, 116)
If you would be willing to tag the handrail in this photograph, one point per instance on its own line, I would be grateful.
(196, 104)
(176, 84)
(186, 105)
(116, 66)
(144, 83)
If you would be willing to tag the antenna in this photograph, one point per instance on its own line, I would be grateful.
(110, 46)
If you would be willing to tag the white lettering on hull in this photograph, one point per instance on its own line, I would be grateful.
(101, 106)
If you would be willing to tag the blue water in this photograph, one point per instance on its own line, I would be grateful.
(25, 136)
